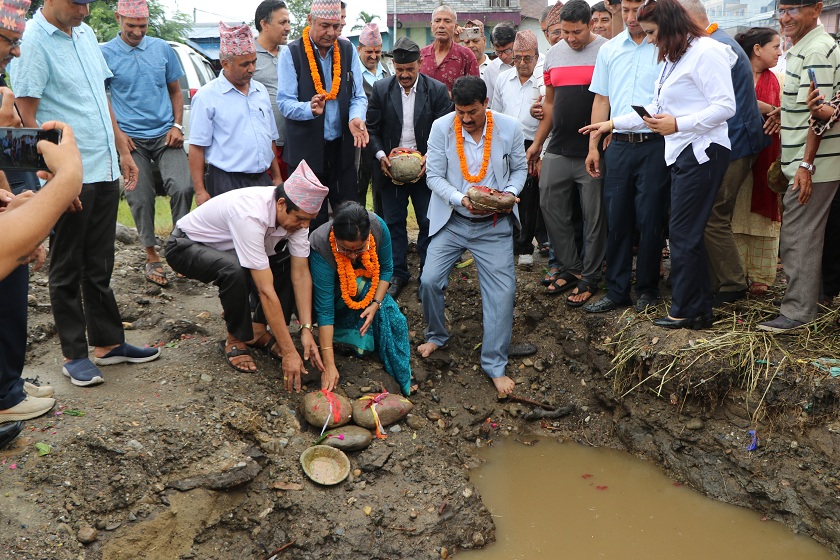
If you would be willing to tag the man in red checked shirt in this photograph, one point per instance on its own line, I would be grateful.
(445, 60)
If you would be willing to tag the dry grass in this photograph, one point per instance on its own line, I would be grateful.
(733, 354)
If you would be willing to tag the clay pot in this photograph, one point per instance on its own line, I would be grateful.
(316, 409)
(325, 465)
(391, 409)
(491, 200)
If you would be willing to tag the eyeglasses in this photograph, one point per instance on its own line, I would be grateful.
(526, 59)
(506, 51)
(354, 252)
(792, 12)
(14, 44)
(555, 33)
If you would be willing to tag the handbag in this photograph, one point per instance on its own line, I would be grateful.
(776, 180)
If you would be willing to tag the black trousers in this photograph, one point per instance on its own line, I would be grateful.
(395, 206)
(13, 313)
(635, 199)
(81, 263)
(831, 251)
(369, 174)
(340, 177)
(694, 187)
(218, 181)
(205, 264)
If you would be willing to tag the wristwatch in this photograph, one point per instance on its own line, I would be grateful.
(809, 166)
(179, 127)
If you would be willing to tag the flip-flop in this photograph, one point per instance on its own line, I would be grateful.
(582, 287)
(550, 277)
(235, 352)
(155, 269)
(571, 281)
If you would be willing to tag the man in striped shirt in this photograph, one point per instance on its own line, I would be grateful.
(809, 161)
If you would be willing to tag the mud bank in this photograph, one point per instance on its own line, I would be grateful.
(185, 458)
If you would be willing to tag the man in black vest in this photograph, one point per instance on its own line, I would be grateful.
(320, 92)
(406, 95)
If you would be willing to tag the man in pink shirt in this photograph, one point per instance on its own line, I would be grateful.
(445, 60)
(255, 241)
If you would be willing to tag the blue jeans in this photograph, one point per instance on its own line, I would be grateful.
(491, 247)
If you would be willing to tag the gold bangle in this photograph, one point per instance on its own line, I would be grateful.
(612, 125)
(326, 347)
(307, 326)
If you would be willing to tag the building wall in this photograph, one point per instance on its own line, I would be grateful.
(534, 25)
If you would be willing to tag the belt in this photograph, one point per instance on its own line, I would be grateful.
(251, 176)
(636, 137)
(486, 218)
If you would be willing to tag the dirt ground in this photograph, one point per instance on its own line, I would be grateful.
(185, 458)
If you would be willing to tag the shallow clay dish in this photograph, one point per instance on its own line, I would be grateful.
(325, 465)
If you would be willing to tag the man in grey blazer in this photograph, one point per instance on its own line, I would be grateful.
(453, 165)
(401, 110)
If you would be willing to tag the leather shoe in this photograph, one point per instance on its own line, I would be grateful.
(8, 432)
(722, 298)
(645, 301)
(603, 305)
(695, 323)
(396, 287)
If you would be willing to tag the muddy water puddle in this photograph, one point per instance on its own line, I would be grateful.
(553, 500)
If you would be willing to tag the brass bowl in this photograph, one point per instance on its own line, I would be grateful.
(325, 465)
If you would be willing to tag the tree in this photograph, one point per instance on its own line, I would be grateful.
(365, 18)
(299, 10)
(101, 19)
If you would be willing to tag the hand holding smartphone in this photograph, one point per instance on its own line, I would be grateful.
(813, 77)
(641, 111)
(19, 148)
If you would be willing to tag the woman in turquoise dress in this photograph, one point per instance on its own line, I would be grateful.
(351, 265)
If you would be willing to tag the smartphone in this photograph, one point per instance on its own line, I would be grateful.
(641, 111)
(470, 33)
(19, 148)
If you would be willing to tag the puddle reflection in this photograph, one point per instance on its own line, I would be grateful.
(562, 500)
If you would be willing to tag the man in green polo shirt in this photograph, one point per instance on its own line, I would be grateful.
(809, 161)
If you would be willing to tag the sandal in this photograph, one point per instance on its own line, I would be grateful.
(236, 352)
(550, 277)
(583, 287)
(758, 288)
(156, 274)
(569, 282)
(266, 345)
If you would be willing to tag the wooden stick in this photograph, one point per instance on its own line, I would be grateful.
(523, 400)
(279, 550)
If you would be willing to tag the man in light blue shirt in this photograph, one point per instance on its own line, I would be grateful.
(149, 108)
(370, 53)
(305, 83)
(637, 179)
(61, 75)
(232, 126)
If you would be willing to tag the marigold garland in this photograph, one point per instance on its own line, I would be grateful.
(347, 274)
(313, 67)
(462, 159)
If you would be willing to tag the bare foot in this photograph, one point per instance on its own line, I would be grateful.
(427, 348)
(504, 385)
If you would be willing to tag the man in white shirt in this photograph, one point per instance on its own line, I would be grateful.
(502, 38)
(473, 38)
(514, 92)
(255, 240)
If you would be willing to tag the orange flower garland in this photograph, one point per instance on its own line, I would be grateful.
(313, 67)
(347, 274)
(462, 159)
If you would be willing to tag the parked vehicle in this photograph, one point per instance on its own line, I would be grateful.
(197, 72)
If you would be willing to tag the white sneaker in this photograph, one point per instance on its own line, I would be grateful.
(525, 260)
(30, 407)
(44, 391)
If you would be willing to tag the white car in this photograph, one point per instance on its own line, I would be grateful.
(197, 72)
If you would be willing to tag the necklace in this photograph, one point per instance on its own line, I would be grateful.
(313, 67)
(347, 274)
(462, 158)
